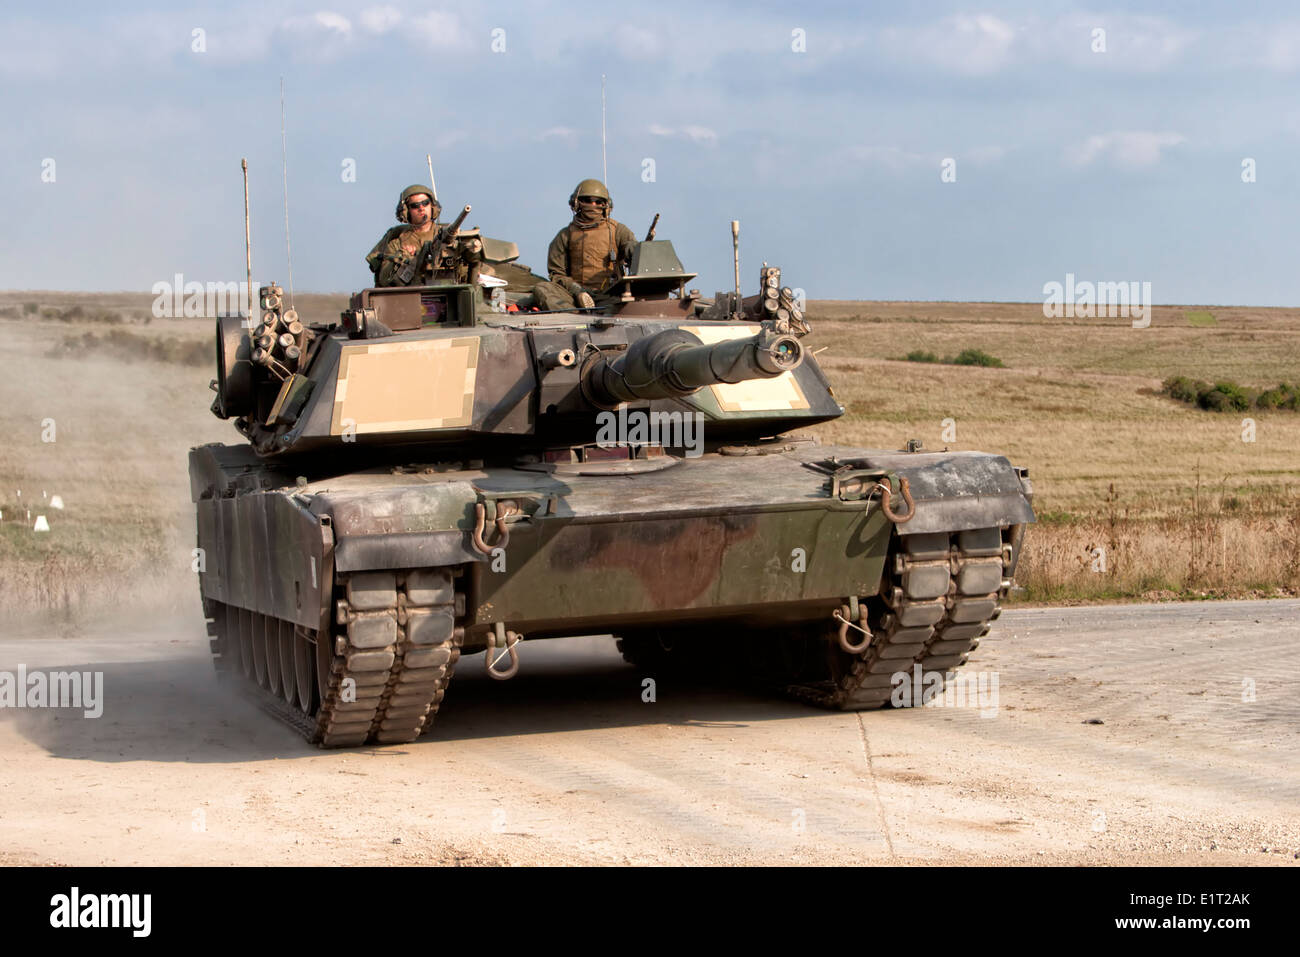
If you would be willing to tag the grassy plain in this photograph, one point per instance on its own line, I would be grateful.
(1180, 504)
(1176, 497)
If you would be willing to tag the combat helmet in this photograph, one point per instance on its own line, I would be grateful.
(590, 187)
(414, 190)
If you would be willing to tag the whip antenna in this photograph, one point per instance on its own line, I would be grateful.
(284, 165)
(248, 245)
(604, 169)
(428, 158)
(735, 254)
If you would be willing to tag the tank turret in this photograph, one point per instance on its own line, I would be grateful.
(453, 365)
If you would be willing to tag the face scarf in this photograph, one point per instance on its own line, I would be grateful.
(589, 215)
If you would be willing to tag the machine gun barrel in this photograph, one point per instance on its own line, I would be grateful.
(448, 232)
(676, 363)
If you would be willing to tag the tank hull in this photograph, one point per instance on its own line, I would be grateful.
(742, 537)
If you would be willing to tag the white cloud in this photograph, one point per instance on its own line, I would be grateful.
(977, 44)
(449, 138)
(1133, 43)
(984, 154)
(325, 20)
(439, 29)
(890, 157)
(379, 19)
(637, 43)
(566, 133)
(1129, 148)
(700, 134)
(983, 44)
(1273, 46)
(696, 134)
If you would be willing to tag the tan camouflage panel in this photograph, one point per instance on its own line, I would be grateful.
(756, 395)
(406, 386)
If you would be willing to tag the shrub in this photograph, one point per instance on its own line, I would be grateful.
(31, 308)
(1184, 389)
(977, 357)
(1225, 397)
(920, 355)
(1283, 397)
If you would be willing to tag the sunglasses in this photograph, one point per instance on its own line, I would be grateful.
(593, 200)
(410, 204)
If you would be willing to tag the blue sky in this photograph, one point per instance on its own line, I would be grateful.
(1122, 165)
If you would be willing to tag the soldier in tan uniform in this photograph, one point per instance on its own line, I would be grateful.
(418, 211)
(587, 256)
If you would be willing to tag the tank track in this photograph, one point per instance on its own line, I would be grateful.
(939, 595)
(381, 674)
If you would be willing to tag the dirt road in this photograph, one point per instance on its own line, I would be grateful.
(1197, 759)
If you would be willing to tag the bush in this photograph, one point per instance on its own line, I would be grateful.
(1283, 397)
(1224, 397)
(31, 308)
(1184, 389)
(977, 357)
(920, 355)
(1228, 396)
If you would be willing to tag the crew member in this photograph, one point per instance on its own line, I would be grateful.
(417, 211)
(588, 255)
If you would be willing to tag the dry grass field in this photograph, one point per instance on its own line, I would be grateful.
(1177, 502)
(1180, 504)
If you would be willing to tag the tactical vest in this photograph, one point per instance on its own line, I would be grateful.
(593, 255)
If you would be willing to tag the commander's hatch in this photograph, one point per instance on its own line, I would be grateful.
(498, 250)
(655, 273)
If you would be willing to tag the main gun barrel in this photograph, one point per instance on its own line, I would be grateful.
(675, 363)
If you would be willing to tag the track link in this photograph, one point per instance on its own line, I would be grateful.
(939, 595)
(382, 674)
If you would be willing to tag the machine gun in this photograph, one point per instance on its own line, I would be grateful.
(429, 258)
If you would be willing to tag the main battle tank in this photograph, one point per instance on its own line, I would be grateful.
(440, 474)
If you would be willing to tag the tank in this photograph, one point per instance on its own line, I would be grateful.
(446, 472)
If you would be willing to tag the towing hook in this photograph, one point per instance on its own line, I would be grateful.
(842, 616)
(509, 641)
(480, 520)
(904, 487)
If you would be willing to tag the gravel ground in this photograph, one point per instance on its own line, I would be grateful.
(1135, 734)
